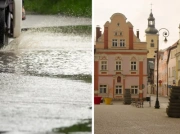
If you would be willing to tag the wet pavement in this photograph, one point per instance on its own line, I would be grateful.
(44, 82)
(34, 21)
(127, 119)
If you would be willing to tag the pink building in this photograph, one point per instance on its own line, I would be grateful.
(120, 60)
(167, 70)
(163, 73)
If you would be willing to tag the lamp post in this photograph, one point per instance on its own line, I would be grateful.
(165, 34)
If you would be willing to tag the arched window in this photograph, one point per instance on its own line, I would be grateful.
(118, 79)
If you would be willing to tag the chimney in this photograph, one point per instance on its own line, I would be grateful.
(98, 33)
(137, 32)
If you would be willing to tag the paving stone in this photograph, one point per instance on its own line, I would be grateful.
(127, 119)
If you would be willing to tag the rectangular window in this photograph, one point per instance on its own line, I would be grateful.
(118, 65)
(114, 42)
(118, 89)
(103, 65)
(103, 89)
(134, 89)
(122, 43)
(133, 65)
(120, 33)
(152, 44)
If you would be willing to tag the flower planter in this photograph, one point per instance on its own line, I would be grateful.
(97, 100)
(108, 101)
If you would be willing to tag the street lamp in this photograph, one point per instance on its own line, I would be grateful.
(165, 34)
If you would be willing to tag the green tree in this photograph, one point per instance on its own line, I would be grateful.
(66, 7)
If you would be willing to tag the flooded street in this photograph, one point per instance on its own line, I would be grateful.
(56, 20)
(45, 80)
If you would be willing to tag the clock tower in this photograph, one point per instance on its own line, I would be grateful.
(151, 36)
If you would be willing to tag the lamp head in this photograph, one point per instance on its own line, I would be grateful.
(165, 40)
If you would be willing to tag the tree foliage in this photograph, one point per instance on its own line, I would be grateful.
(67, 7)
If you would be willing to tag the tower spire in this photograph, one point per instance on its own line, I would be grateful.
(151, 24)
(151, 7)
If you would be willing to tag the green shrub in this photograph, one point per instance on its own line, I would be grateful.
(65, 7)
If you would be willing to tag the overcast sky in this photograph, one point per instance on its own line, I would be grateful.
(165, 12)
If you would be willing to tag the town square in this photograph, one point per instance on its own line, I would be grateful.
(136, 69)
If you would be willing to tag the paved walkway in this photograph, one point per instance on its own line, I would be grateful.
(127, 119)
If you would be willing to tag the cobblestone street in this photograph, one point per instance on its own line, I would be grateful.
(127, 119)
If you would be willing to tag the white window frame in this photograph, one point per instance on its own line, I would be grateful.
(103, 65)
(122, 43)
(118, 89)
(114, 42)
(133, 66)
(103, 89)
(119, 66)
(134, 89)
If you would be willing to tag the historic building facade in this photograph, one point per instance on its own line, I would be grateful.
(163, 73)
(120, 60)
(171, 66)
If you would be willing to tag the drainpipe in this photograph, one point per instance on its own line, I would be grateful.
(167, 78)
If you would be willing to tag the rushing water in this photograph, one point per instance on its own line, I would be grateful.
(44, 81)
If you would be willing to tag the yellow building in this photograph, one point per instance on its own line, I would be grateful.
(152, 44)
(151, 36)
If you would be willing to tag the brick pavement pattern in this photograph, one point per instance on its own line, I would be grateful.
(127, 119)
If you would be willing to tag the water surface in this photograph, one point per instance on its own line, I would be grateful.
(43, 80)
